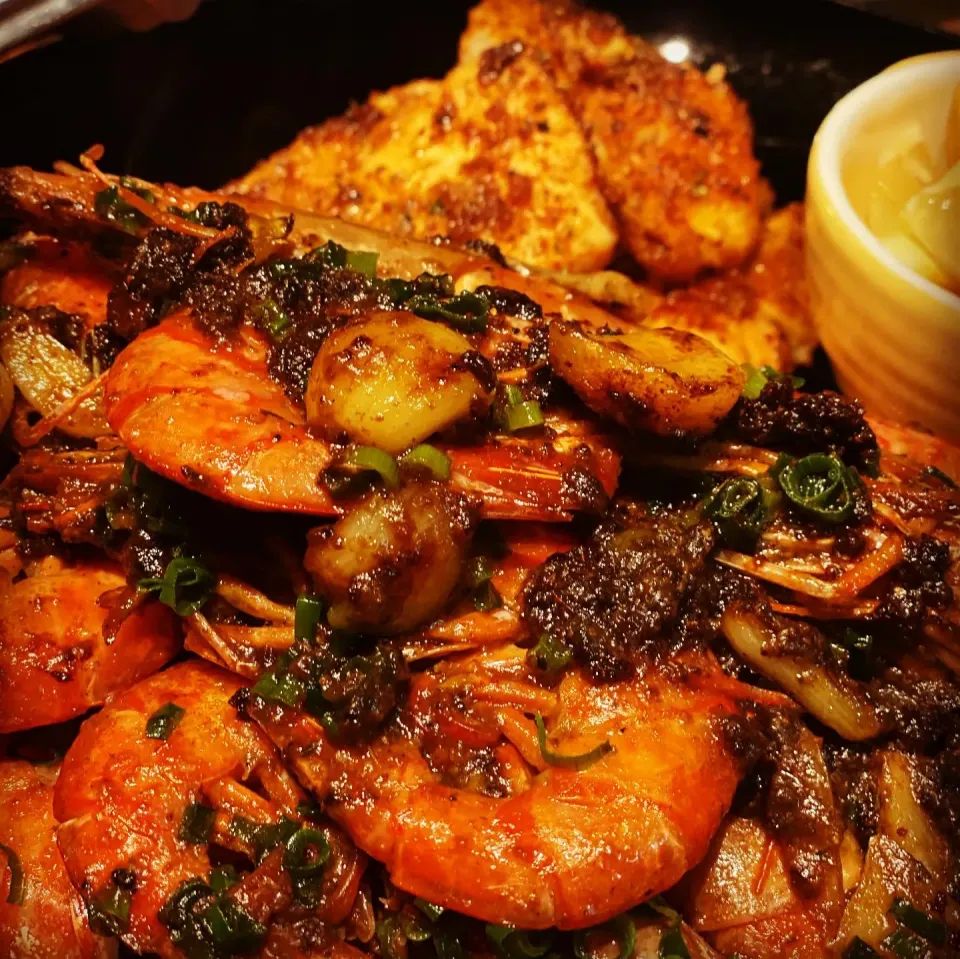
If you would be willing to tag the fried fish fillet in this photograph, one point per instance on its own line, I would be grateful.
(673, 146)
(757, 314)
(491, 152)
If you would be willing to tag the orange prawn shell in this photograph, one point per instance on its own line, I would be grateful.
(577, 848)
(54, 660)
(121, 796)
(52, 922)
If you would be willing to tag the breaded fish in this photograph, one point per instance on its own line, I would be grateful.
(673, 146)
(491, 152)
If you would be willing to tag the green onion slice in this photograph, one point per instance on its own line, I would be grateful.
(223, 878)
(820, 485)
(185, 586)
(931, 929)
(306, 617)
(466, 312)
(415, 926)
(297, 858)
(741, 508)
(362, 261)
(233, 930)
(278, 686)
(197, 823)
(376, 461)
(523, 416)
(109, 912)
(164, 721)
(550, 654)
(578, 762)
(510, 943)
(486, 597)
(858, 949)
(15, 894)
(623, 929)
(672, 945)
(427, 459)
(431, 911)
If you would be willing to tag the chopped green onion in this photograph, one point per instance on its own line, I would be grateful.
(486, 597)
(375, 460)
(758, 377)
(388, 933)
(479, 571)
(511, 943)
(622, 928)
(907, 945)
(414, 926)
(858, 949)
(931, 929)
(672, 945)
(363, 261)
(663, 908)
(17, 889)
(197, 823)
(306, 617)
(262, 838)
(512, 395)
(272, 318)
(466, 312)
(820, 485)
(109, 911)
(431, 911)
(578, 762)
(427, 458)
(523, 416)
(164, 721)
(128, 183)
(223, 878)
(111, 206)
(330, 254)
(233, 930)
(296, 856)
(741, 508)
(185, 586)
(550, 654)
(278, 686)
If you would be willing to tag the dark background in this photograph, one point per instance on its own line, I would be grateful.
(200, 102)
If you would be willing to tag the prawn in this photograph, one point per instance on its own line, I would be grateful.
(55, 660)
(41, 916)
(618, 797)
(154, 783)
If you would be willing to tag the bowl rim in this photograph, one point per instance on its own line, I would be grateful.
(825, 160)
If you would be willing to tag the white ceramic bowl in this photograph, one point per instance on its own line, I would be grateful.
(892, 335)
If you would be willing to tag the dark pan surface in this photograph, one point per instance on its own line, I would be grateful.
(200, 102)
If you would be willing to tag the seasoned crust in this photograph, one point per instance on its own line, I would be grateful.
(491, 152)
(673, 146)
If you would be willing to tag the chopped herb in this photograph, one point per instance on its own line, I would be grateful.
(907, 945)
(427, 459)
(820, 485)
(210, 925)
(741, 508)
(578, 762)
(277, 685)
(185, 586)
(269, 316)
(306, 617)
(109, 911)
(550, 654)
(931, 929)
(510, 943)
(15, 894)
(758, 377)
(858, 949)
(486, 597)
(466, 312)
(197, 823)
(363, 261)
(432, 912)
(111, 206)
(164, 721)
(223, 878)
(672, 945)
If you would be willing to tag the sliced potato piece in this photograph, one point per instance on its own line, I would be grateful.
(664, 381)
(393, 561)
(391, 380)
(851, 860)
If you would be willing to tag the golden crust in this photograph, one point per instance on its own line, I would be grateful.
(673, 146)
(491, 152)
